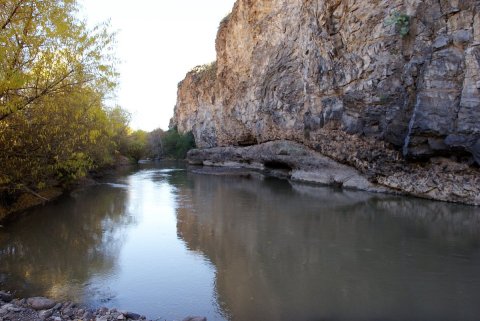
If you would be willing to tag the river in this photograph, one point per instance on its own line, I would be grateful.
(168, 243)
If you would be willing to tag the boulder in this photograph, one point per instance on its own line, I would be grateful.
(40, 303)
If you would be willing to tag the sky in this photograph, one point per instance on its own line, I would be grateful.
(158, 42)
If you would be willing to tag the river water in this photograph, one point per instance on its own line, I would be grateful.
(169, 243)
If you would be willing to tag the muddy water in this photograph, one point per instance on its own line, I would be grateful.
(169, 243)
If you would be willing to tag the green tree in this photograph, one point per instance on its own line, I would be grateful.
(54, 77)
(176, 145)
(119, 128)
(57, 141)
(45, 50)
(155, 143)
(137, 145)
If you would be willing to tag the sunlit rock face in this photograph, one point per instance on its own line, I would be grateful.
(339, 76)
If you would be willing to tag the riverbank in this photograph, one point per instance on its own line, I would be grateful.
(442, 179)
(44, 309)
(24, 201)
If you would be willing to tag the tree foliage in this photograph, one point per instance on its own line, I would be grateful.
(176, 145)
(55, 74)
(155, 143)
(58, 140)
(137, 145)
(45, 50)
(119, 120)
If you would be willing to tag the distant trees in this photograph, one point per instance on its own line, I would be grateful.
(159, 144)
(155, 143)
(176, 145)
(119, 121)
(137, 145)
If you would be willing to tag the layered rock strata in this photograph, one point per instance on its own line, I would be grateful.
(371, 84)
(294, 161)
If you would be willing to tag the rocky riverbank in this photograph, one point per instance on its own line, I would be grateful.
(40, 309)
(43, 309)
(441, 179)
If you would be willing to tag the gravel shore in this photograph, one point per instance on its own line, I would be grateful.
(44, 309)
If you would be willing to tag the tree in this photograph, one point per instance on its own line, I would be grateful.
(54, 77)
(155, 144)
(176, 145)
(57, 141)
(137, 145)
(45, 50)
(119, 121)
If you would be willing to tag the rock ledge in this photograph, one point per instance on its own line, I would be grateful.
(441, 180)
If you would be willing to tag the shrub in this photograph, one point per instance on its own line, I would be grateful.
(176, 145)
(210, 68)
(401, 21)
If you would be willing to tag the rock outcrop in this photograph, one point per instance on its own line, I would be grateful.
(285, 159)
(443, 180)
(373, 84)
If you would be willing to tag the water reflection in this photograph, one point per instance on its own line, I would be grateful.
(168, 243)
(56, 250)
(286, 252)
(114, 244)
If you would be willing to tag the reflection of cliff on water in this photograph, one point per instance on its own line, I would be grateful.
(296, 252)
(56, 249)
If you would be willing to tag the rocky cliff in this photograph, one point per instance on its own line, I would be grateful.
(386, 87)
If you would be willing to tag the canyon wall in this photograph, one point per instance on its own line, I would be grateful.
(369, 83)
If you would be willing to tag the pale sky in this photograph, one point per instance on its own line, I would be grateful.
(159, 41)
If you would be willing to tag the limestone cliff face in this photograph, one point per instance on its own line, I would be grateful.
(339, 77)
(289, 69)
